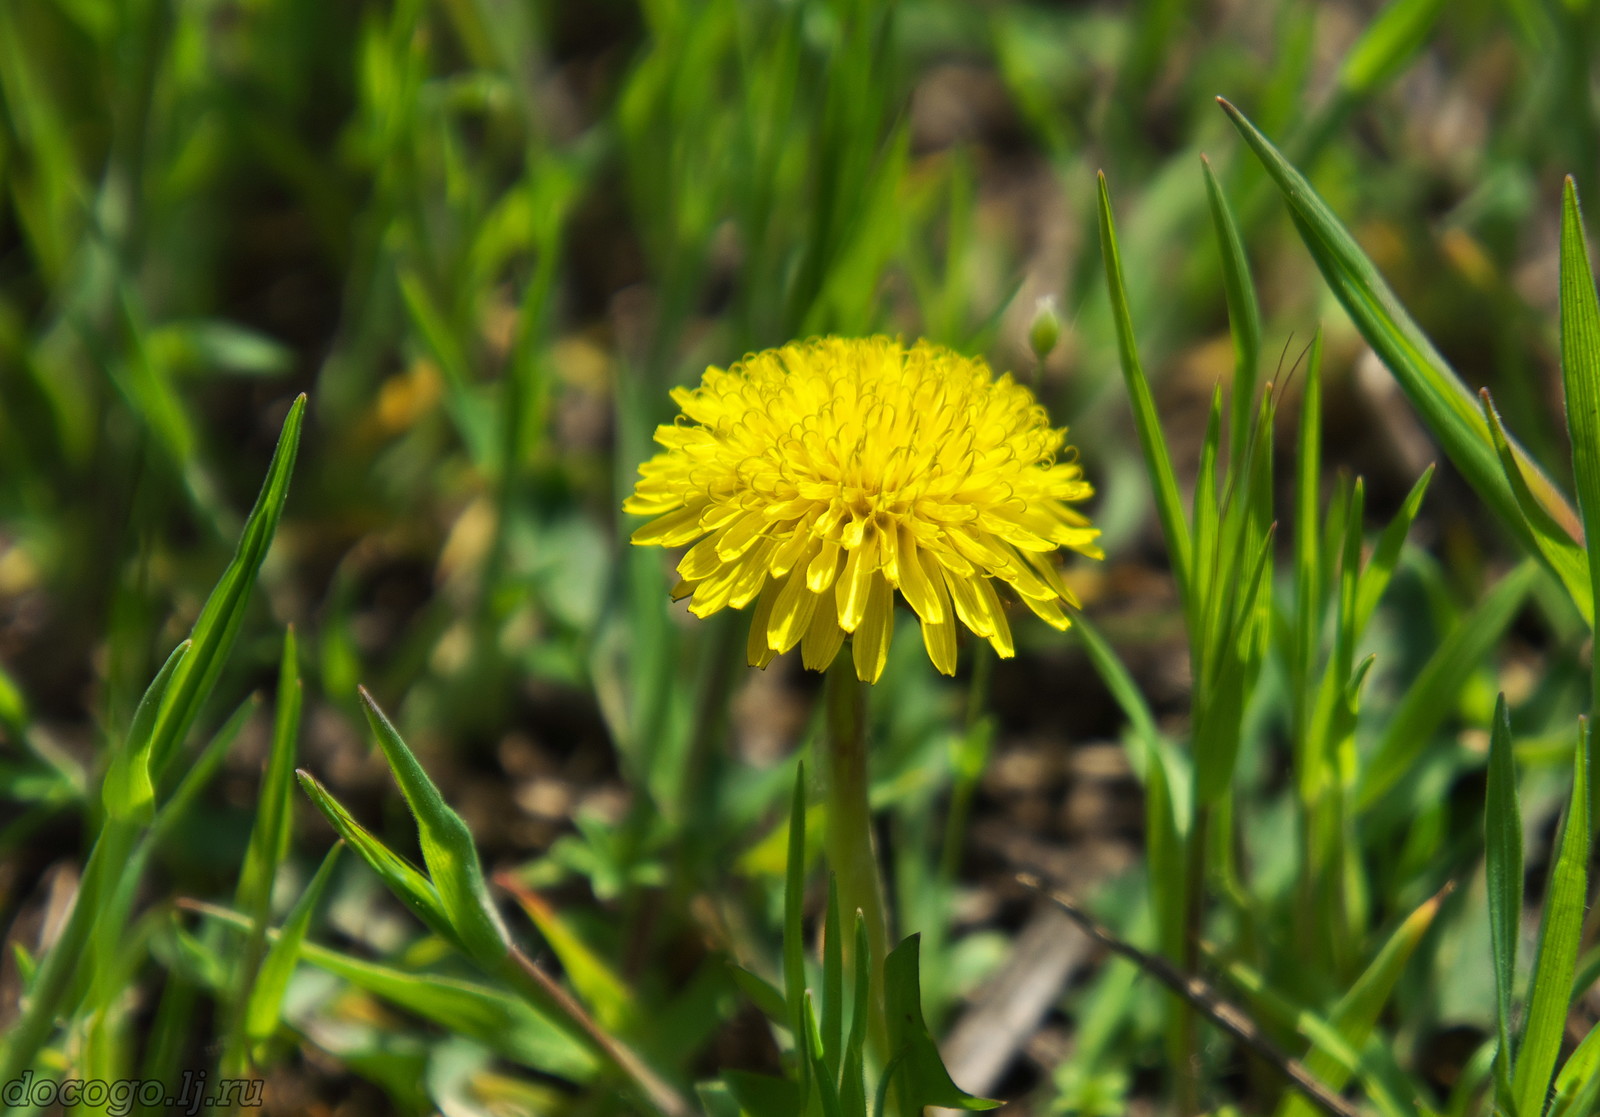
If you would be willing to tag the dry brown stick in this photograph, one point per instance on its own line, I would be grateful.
(1205, 1000)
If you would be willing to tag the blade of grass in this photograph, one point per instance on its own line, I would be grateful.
(1244, 314)
(1430, 697)
(264, 1005)
(1432, 386)
(1502, 833)
(223, 613)
(1152, 440)
(1557, 954)
(1580, 376)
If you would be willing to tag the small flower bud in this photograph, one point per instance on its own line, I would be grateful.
(1046, 328)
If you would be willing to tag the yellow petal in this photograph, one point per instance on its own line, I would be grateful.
(914, 581)
(852, 587)
(791, 613)
(824, 638)
(1001, 639)
(872, 636)
(824, 567)
(756, 651)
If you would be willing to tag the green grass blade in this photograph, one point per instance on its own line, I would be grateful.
(127, 791)
(404, 879)
(1550, 995)
(1390, 41)
(220, 618)
(1356, 1014)
(1145, 739)
(1308, 575)
(832, 1034)
(447, 849)
(1580, 375)
(1244, 314)
(794, 898)
(1430, 697)
(1502, 834)
(265, 1003)
(502, 1022)
(1564, 555)
(918, 1073)
(1152, 440)
(1432, 386)
(1380, 567)
(1578, 1084)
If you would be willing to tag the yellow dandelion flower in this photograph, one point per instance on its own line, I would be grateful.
(817, 479)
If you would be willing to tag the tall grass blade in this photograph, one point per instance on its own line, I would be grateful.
(1580, 375)
(1502, 835)
(1432, 386)
(265, 1004)
(1429, 698)
(1152, 439)
(1550, 995)
(1244, 314)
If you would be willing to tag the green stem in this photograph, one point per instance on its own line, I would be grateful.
(847, 838)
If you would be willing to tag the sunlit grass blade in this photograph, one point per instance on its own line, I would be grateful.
(1152, 439)
(1386, 554)
(223, 613)
(1244, 314)
(1577, 1089)
(127, 791)
(502, 1022)
(447, 848)
(1356, 1014)
(407, 882)
(1390, 41)
(1580, 375)
(265, 1002)
(1563, 554)
(269, 842)
(794, 897)
(600, 986)
(1429, 698)
(1432, 386)
(1502, 833)
(1550, 994)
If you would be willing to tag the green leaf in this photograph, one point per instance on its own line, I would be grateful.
(916, 1072)
(1391, 39)
(1432, 694)
(1578, 1084)
(1380, 567)
(265, 1003)
(223, 613)
(404, 879)
(127, 792)
(1562, 554)
(606, 994)
(1244, 314)
(794, 895)
(1580, 376)
(1557, 955)
(1152, 439)
(1502, 835)
(447, 849)
(498, 1020)
(1356, 1014)
(1432, 386)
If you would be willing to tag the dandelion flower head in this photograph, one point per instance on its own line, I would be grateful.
(817, 479)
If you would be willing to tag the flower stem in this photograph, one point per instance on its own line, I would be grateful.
(848, 836)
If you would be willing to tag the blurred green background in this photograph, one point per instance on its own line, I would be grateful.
(487, 236)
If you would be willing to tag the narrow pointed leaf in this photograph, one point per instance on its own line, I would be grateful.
(1152, 440)
(1432, 695)
(265, 1003)
(1550, 995)
(1502, 833)
(447, 848)
(1244, 313)
(918, 1073)
(1564, 555)
(1428, 381)
(1580, 375)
